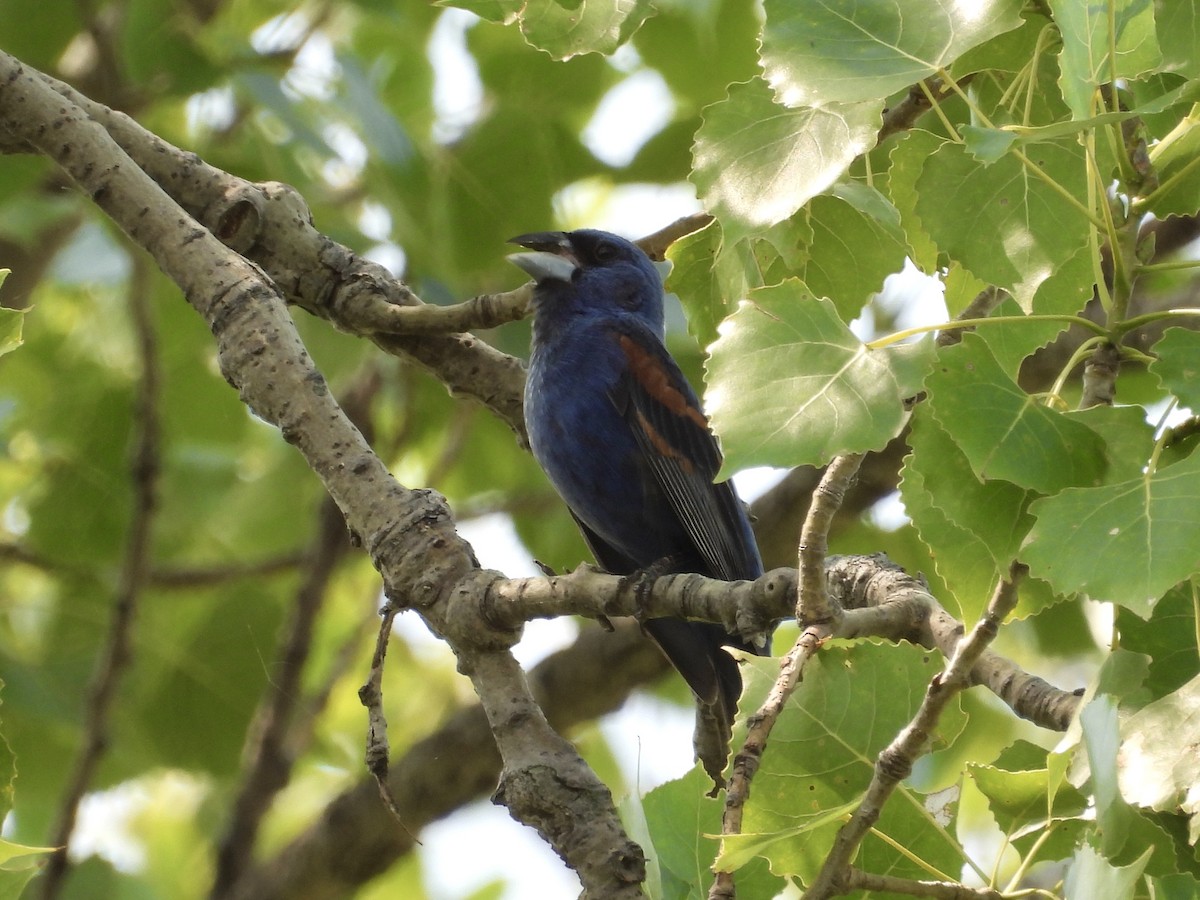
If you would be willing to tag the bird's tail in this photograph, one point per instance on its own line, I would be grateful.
(695, 649)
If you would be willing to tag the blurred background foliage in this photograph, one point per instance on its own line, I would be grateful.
(422, 137)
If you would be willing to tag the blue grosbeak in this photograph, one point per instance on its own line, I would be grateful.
(620, 433)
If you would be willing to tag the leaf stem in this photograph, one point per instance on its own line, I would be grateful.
(1128, 325)
(1170, 266)
(936, 106)
(1160, 441)
(886, 340)
(909, 855)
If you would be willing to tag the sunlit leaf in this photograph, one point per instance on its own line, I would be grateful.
(1125, 543)
(788, 383)
(1153, 773)
(756, 163)
(1005, 433)
(1090, 33)
(1092, 877)
(588, 26)
(11, 321)
(821, 52)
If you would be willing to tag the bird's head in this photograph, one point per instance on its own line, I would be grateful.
(591, 273)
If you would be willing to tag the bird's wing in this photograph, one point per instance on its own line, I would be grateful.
(694, 648)
(679, 449)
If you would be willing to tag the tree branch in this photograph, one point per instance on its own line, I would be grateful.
(355, 838)
(818, 614)
(270, 225)
(267, 755)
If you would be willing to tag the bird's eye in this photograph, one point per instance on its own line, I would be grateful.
(605, 252)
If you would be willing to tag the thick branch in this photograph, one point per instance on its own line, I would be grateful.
(270, 225)
(879, 599)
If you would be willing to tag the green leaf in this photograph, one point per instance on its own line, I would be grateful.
(856, 244)
(1175, 162)
(1125, 543)
(1003, 221)
(1178, 364)
(850, 704)
(1008, 52)
(1153, 772)
(1087, 38)
(1092, 877)
(788, 383)
(961, 290)
(987, 144)
(821, 52)
(996, 512)
(1168, 638)
(1102, 739)
(588, 26)
(755, 162)
(1014, 342)
(960, 558)
(1020, 798)
(18, 856)
(11, 322)
(1180, 886)
(682, 821)
(710, 278)
(1178, 26)
(908, 157)
(1128, 438)
(1005, 433)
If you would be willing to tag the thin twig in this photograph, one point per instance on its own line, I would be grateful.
(655, 245)
(813, 606)
(371, 696)
(858, 880)
(135, 567)
(820, 616)
(895, 762)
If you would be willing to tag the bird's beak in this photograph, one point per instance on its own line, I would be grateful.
(553, 257)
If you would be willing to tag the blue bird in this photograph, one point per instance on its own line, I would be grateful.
(621, 435)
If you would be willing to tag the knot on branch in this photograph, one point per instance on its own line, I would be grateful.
(238, 216)
(421, 554)
(894, 764)
(470, 620)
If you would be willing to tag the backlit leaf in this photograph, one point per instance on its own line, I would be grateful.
(789, 383)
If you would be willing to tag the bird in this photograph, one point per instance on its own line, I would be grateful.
(623, 439)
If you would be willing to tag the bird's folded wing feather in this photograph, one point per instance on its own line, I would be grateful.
(679, 449)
